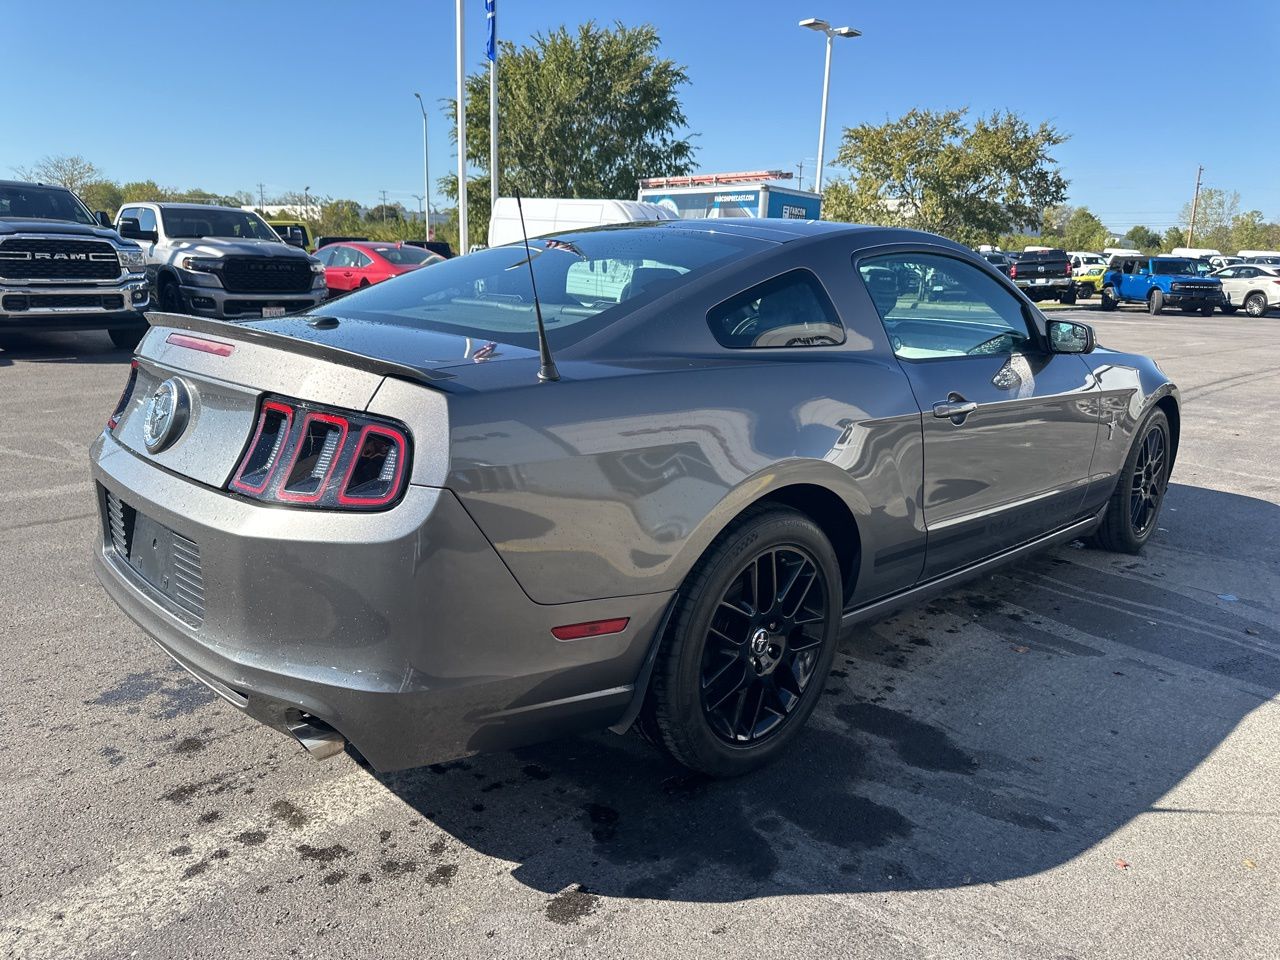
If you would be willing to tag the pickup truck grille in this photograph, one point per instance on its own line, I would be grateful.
(266, 275)
(17, 302)
(24, 258)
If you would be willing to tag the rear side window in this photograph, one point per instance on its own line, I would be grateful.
(791, 310)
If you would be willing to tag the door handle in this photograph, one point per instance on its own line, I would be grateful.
(955, 408)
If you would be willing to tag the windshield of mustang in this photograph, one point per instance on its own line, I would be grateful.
(580, 276)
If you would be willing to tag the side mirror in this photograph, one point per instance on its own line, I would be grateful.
(295, 237)
(1067, 336)
(103, 219)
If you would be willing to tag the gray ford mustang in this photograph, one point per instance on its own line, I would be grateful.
(397, 521)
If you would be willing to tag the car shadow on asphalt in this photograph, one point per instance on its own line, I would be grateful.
(994, 733)
(92, 346)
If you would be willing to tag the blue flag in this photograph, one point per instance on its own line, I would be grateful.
(491, 23)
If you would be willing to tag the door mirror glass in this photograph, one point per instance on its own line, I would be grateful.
(1067, 336)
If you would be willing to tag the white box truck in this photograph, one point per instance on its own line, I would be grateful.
(543, 215)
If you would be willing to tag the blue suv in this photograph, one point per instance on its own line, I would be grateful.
(1160, 282)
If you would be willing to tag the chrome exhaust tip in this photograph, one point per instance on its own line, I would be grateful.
(319, 739)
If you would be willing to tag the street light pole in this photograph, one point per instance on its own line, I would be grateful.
(426, 177)
(463, 245)
(821, 26)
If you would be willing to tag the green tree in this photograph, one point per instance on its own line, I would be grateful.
(1215, 212)
(102, 195)
(1173, 237)
(72, 172)
(140, 191)
(1141, 238)
(1084, 231)
(582, 114)
(937, 171)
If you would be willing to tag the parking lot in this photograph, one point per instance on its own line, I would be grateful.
(1077, 757)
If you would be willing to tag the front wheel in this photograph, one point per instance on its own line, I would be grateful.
(1084, 291)
(1255, 305)
(1134, 506)
(750, 645)
(1228, 308)
(1155, 303)
(1109, 301)
(1206, 311)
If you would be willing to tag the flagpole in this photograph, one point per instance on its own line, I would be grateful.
(463, 247)
(492, 13)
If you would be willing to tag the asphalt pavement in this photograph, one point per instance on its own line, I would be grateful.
(1078, 757)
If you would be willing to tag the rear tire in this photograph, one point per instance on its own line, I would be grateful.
(750, 645)
(1155, 303)
(126, 338)
(1206, 311)
(1255, 304)
(1084, 291)
(1134, 508)
(1069, 297)
(1109, 301)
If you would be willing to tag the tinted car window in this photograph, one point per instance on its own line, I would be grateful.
(792, 310)
(934, 307)
(580, 277)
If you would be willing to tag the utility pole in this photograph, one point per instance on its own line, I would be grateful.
(1195, 203)
(262, 196)
(800, 175)
(384, 206)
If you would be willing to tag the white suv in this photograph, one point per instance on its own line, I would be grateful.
(1254, 286)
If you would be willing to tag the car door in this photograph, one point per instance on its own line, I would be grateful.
(340, 273)
(1137, 284)
(1232, 283)
(1009, 428)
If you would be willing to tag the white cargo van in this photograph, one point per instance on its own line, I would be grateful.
(543, 215)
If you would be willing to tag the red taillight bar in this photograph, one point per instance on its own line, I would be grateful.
(216, 347)
(401, 444)
(125, 396)
(238, 483)
(595, 628)
(334, 421)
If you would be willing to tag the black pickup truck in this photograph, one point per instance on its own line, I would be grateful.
(64, 268)
(1045, 275)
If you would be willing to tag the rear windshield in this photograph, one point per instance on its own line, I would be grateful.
(29, 202)
(580, 277)
(394, 254)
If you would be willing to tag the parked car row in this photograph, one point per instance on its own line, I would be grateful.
(63, 267)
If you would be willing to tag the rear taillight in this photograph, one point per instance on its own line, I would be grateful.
(309, 456)
(1013, 270)
(1068, 273)
(125, 396)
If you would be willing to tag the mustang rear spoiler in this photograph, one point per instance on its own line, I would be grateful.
(307, 348)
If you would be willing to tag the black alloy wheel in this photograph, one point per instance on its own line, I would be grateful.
(1134, 508)
(751, 639)
(1146, 488)
(763, 645)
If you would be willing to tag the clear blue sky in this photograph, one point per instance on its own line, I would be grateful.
(321, 94)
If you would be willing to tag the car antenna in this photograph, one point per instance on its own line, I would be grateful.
(547, 369)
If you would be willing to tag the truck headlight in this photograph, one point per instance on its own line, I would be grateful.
(133, 261)
(202, 271)
(317, 274)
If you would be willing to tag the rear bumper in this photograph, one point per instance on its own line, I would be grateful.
(402, 630)
(216, 302)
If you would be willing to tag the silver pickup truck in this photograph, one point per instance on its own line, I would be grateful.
(220, 261)
(64, 268)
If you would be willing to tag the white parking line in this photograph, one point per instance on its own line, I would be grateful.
(153, 891)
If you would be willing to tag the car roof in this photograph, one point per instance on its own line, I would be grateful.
(169, 205)
(31, 183)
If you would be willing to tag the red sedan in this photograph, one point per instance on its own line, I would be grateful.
(350, 266)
